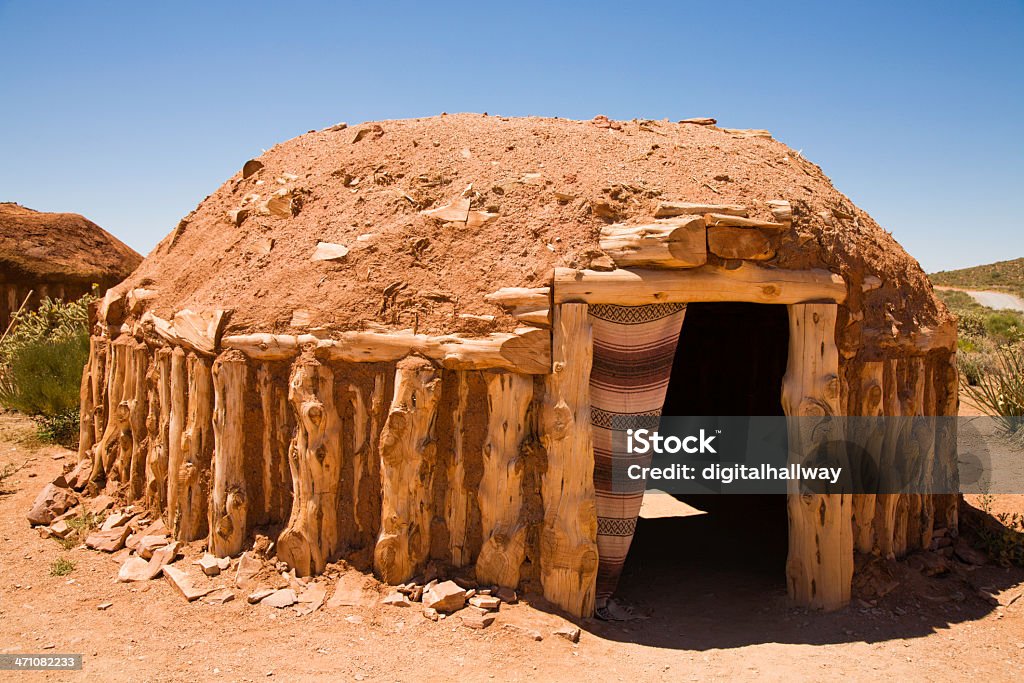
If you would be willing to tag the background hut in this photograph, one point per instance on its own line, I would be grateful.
(403, 344)
(56, 255)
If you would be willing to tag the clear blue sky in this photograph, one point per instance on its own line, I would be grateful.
(131, 112)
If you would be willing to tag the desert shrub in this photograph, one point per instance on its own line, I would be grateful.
(970, 324)
(972, 368)
(1004, 542)
(1005, 326)
(41, 363)
(61, 567)
(1000, 393)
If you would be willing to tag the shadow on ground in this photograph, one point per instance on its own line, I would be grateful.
(718, 581)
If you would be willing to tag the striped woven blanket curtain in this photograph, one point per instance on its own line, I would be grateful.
(634, 347)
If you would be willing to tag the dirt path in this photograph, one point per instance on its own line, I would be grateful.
(1000, 301)
(716, 609)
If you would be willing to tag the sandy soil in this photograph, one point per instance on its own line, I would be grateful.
(711, 587)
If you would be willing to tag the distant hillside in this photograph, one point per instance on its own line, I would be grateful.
(1005, 276)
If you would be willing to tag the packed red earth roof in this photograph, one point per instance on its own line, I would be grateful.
(552, 185)
(60, 246)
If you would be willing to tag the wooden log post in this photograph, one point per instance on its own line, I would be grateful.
(158, 428)
(175, 429)
(132, 465)
(311, 538)
(819, 569)
(870, 436)
(229, 503)
(275, 474)
(501, 488)
(408, 453)
(568, 545)
(117, 415)
(457, 499)
(946, 475)
(887, 504)
(86, 408)
(98, 359)
(196, 451)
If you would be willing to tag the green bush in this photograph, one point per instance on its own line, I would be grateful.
(1005, 326)
(41, 363)
(1000, 393)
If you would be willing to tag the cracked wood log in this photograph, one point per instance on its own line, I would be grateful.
(158, 428)
(360, 454)
(527, 350)
(670, 209)
(819, 569)
(132, 466)
(868, 435)
(117, 415)
(275, 474)
(196, 452)
(887, 504)
(98, 359)
(229, 499)
(568, 544)
(781, 210)
(87, 435)
(714, 220)
(311, 538)
(457, 500)
(530, 304)
(500, 495)
(747, 282)
(947, 476)
(676, 243)
(175, 428)
(199, 332)
(408, 454)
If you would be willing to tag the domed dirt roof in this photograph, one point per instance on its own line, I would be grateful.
(60, 246)
(539, 189)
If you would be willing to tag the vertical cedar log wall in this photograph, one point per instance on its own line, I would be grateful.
(399, 451)
(13, 294)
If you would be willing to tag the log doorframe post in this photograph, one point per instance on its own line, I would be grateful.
(816, 576)
(819, 566)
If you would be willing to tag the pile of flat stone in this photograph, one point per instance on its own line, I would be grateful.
(476, 607)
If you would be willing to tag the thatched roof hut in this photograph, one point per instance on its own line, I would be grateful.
(56, 255)
(400, 343)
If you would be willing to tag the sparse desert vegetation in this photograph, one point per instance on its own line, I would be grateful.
(1002, 276)
(41, 361)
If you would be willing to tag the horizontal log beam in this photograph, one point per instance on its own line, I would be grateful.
(748, 282)
(914, 343)
(531, 305)
(527, 351)
(722, 219)
(670, 209)
(677, 243)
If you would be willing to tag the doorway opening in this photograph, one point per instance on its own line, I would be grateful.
(730, 361)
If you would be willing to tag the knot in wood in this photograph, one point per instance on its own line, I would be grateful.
(314, 412)
(770, 291)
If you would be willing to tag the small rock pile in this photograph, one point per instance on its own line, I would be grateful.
(144, 549)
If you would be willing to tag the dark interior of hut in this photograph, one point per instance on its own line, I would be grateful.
(730, 361)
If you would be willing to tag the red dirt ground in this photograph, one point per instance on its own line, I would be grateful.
(716, 609)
